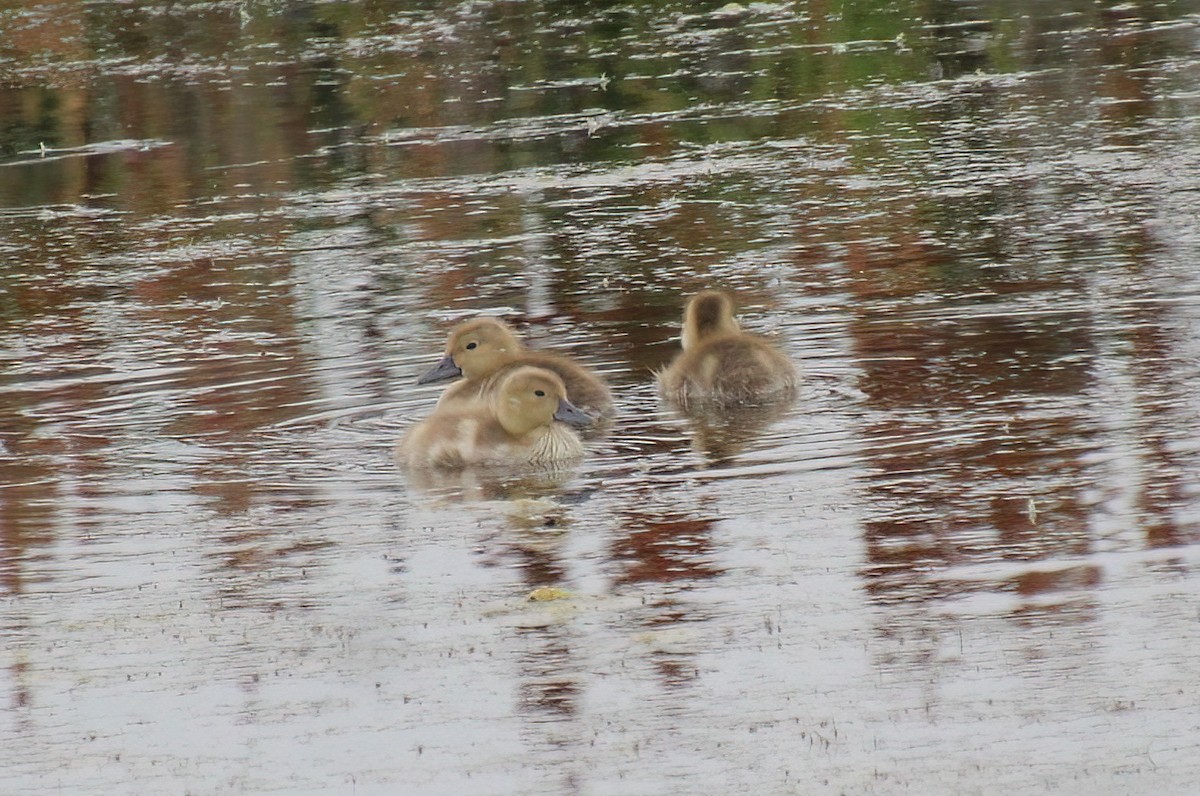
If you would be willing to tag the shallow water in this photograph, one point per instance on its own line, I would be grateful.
(232, 235)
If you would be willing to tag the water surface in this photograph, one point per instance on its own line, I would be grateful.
(232, 235)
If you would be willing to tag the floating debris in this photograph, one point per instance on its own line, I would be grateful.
(544, 594)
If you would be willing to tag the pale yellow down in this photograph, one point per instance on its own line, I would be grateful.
(515, 425)
(486, 350)
(721, 364)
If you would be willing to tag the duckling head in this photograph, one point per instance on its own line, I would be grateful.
(475, 349)
(530, 398)
(707, 315)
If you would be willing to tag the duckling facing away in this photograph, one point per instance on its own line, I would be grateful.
(515, 425)
(485, 350)
(720, 364)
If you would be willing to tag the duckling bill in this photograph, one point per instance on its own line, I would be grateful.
(445, 369)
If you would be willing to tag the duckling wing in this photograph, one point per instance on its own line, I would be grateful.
(444, 439)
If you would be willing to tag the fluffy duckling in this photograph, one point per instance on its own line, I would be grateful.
(721, 364)
(484, 350)
(513, 426)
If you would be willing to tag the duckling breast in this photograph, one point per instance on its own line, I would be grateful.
(558, 443)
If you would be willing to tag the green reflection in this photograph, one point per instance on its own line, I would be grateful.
(587, 82)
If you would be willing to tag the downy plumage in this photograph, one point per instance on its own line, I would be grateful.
(483, 351)
(524, 421)
(720, 364)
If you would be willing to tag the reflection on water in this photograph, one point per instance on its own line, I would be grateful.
(482, 483)
(719, 434)
(233, 235)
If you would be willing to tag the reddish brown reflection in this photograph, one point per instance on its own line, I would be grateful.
(984, 417)
(532, 537)
(548, 685)
(676, 670)
(1042, 582)
(1165, 422)
(663, 548)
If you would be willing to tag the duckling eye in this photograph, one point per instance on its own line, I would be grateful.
(540, 393)
(472, 346)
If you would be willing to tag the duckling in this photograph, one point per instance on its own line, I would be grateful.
(721, 364)
(513, 426)
(484, 350)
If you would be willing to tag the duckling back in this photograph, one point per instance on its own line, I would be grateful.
(734, 369)
(449, 439)
(722, 364)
